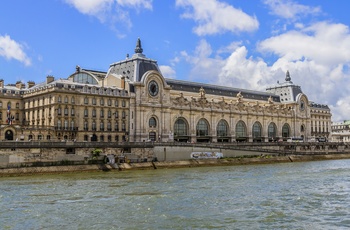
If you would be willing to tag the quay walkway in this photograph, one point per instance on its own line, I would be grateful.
(282, 148)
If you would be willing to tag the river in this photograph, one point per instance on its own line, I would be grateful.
(307, 195)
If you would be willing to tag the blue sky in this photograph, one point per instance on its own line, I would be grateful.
(238, 43)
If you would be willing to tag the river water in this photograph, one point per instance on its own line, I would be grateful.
(307, 195)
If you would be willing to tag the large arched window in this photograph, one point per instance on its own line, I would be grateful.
(180, 128)
(84, 78)
(240, 129)
(152, 122)
(202, 128)
(271, 132)
(222, 129)
(256, 130)
(285, 130)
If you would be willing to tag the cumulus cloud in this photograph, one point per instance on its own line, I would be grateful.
(316, 57)
(10, 49)
(91, 7)
(167, 71)
(204, 66)
(110, 11)
(290, 9)
(323, 42)
(147, 4)
(319, 59)
(215, 17)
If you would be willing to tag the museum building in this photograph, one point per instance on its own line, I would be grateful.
(134, 102)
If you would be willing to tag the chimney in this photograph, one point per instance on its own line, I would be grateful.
(19, 85)
(49, 79)
(30, 84)
(1, 83)
(123, 82)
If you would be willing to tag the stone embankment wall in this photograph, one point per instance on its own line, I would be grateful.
(22, 156)
(170, 164)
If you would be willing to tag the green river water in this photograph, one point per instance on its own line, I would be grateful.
(307, 195)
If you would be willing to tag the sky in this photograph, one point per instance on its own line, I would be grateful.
(238, 43)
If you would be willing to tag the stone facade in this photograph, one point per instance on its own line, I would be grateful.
(134, 102)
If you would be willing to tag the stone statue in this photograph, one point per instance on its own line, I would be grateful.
(202, 92)
(239, 96)
(270, 100)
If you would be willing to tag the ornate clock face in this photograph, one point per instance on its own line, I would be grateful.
(153, 88)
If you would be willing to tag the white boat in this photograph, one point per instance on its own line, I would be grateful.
(206, 155)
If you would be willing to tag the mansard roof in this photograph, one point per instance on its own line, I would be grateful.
(219, 90)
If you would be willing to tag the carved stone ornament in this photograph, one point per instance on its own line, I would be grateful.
(202, 92)
(181, 101)
(270, 100)
(239, 96)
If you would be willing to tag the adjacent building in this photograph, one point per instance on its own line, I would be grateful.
(134, 102)
(341, 131)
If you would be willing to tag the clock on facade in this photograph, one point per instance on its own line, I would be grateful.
(153, 88)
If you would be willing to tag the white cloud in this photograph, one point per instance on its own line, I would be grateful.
(213, 17)
(147, 4)
(290, 10)
(323, 42)
(204, 67)
(10, 49)
(316, 56)
(91, 7)
(167, 71)
(110, 11)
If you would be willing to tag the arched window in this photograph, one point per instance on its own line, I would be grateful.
(222, 129)
(240, 130)
(256, 130)
(285, 130)
(180, 127)
(84, 78)
(271, 131)
(152, 122)
(302, 128)
(202, 128)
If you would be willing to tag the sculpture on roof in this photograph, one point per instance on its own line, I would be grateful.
(239, 96)
(270, 100)
(202, 92)
(288, 78)
(138, 48)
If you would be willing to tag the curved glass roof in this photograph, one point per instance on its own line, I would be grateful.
(84, 78)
